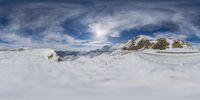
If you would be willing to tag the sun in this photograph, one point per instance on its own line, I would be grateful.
(100, 31)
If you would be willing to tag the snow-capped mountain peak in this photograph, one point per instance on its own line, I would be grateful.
(146, 42)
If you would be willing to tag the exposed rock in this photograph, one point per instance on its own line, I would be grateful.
(141, 43)
(50, 56)
(21, 49)
(54, 57)
(177, 44)
(161, 44)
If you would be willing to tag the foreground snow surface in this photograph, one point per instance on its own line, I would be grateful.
(29, 75)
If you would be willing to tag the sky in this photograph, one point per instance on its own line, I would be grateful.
(71, 24)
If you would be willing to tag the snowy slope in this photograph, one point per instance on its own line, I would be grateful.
(118, 75)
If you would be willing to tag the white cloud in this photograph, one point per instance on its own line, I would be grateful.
(171, 35)
(39, 15)
(102, 19)
(112, 25)
(131, 15)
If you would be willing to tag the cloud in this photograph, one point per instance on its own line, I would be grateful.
(139, 14)
(113, 25)
(38, 16)
(41, 24)
(170, 35)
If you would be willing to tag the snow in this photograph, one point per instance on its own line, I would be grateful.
(121, 45)
(173, 51)
(119, 75)
(130, 41)
(170, 41)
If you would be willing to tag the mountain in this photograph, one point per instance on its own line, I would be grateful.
(144, 42)
(140, 43)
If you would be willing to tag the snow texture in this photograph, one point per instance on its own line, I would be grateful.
(116, 75)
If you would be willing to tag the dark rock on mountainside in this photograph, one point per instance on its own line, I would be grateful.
(142, 42)
(177, 44)
(160, 44)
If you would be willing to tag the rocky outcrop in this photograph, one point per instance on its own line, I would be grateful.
(54, 57)
(177, 44)
(47, 53)
(141, 43)
(160, 44)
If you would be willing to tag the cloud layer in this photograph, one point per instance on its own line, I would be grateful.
(91, 23)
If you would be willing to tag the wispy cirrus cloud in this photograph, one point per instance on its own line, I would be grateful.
(33, 23)
(65, 23)
(126, 16)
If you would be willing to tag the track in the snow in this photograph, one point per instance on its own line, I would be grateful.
(170, 59)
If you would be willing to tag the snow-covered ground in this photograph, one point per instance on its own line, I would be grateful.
(30, 75)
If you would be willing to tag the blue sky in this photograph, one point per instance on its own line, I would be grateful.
(95, 23)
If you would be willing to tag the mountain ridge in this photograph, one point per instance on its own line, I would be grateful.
(140, 43)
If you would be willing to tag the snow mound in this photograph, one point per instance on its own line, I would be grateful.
(46, 53)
